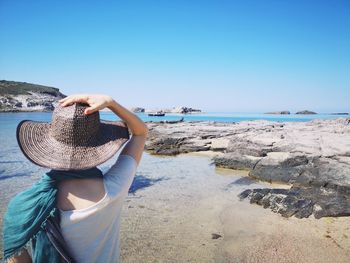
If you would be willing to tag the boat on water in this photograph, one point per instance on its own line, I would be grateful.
(158, 113)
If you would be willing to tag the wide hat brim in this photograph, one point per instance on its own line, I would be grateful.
(42, 149)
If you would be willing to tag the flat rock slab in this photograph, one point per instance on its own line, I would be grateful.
(315, 153)
(236, 161)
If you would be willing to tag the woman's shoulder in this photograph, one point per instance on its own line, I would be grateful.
(80, 193)
(120, 175)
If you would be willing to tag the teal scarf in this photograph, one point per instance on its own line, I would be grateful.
(28, 212)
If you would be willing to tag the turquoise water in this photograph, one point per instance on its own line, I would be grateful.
(8, 118)
(13, 163)
(232, 117)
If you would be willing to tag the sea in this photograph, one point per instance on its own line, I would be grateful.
(17, 173)
(13, 163)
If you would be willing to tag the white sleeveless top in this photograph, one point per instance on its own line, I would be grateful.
(92, 233)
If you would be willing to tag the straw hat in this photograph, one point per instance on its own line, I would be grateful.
(72, 141)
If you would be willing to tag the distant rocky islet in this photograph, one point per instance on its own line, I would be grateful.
(303, 112)
(286, 112)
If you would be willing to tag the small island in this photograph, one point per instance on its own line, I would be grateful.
(137, 109)
(306, 112)
(22, 96)
(340, 113)
(284, 112)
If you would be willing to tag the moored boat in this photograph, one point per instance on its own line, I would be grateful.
(158, 113)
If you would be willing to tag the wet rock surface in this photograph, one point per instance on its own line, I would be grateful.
(301, 202)
(308, 155)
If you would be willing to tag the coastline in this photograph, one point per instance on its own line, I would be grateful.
(312, 157)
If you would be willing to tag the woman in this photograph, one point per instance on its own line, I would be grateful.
(73, 213)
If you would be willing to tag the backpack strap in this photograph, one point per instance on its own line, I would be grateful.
(54, 234)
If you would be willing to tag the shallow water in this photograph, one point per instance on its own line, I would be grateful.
(17, 173)
(174, 220)
(177, 174)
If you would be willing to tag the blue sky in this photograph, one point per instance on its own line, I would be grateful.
(245, 56)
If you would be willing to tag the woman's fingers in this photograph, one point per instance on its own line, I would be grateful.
(95, 101)
(91, 109)
(73, 99)
(63, 99)
(67, 102)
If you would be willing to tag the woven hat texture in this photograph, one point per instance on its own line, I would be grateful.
(73, 140)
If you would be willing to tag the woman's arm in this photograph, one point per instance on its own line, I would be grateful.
(138, 128)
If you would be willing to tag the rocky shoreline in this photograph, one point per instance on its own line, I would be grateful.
(313, 157)
(21, 96)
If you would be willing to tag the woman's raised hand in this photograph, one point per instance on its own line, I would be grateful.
(96, 102)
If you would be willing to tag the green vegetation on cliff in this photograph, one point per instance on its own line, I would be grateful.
(24, 88)
(22, 96)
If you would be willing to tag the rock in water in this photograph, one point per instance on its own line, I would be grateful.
(284, 112)
(301, 202)
(280, 167)
(340, 113)
(236, 161)
(305, 112)
(184, 110)
(137, 109)
(22, 96)
(215, 236)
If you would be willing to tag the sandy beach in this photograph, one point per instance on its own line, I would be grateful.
(192, 214)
